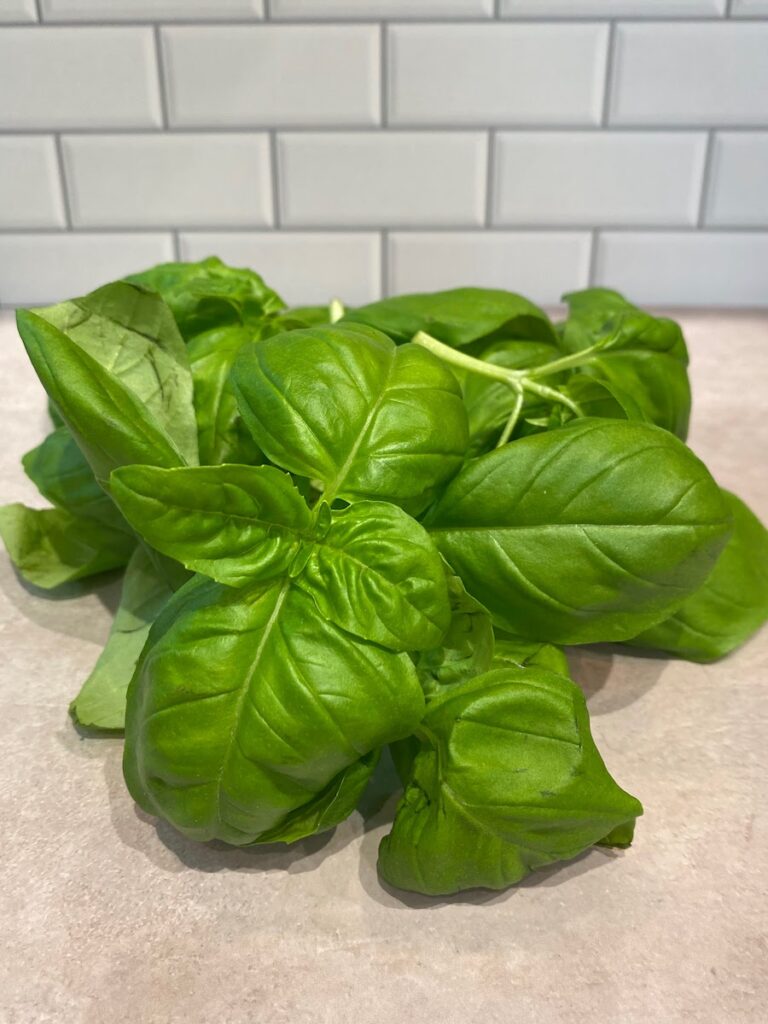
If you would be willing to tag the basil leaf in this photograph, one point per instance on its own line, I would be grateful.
(131, 333)
(377, 574)
(62, 475)
(396, 428)
(457, 317)
(647, 357)
(210, 294)
(330, 807)
(591, 532)
(507, 780)
(111, 424)
(514, 652)
(247, 703)
(235, 524)
(730, 605)
(51, 546)
(222, 436)
(466, 649)
(100, 703)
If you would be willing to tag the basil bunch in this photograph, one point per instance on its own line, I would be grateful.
(347, 529)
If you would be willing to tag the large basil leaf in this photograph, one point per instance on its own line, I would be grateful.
(111, 423)
(732, 603)
(377, 574)
(210, 294)
(457, 317)
(592, 532)
(647, 357)
(62, 475)
(343, 405)
(51, 546)
(222, 436)
(370, 568)
(466, 649)
(100, 703)
(233, 523)
(131, 333)
(247, 703)
(508, 779)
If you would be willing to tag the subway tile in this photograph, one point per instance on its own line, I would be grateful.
(272, 75)
(170, 180)
(611, 8)
(17, 10)
(29, 183)
(37, 269)
(303, 267)
(497, 74)
(714, 268)
(690, 73)
(738, 181)
(360, 9)
(149, 10)
(748, 8)
(83, 77)
(597, 178)
(374, 179)
(539, 265)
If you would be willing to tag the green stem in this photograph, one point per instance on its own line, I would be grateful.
(513, 418)
(336, 310)
(554, 396)
(568, 362)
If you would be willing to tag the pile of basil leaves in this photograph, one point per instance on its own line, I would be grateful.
(347, 529)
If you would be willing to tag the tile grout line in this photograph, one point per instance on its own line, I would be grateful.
(384, 268)
(176, 242)
(160, 64)
(592, 269)
(475, 230)
(706, 177)
(383, 74)
(405, 129)
(274, 173)
(39, 12)
(608, 79)
(490, 177)
(63, 185)
(487, 20)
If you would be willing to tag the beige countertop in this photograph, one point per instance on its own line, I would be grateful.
(106, 916)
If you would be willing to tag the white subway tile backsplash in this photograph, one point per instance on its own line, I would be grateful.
(506, 74)
(30, 189)
(540, 265)
(303, 268)
(597, 178)
(84, 77)
(149, 10)
(611, 8)
(17, 10)
(38, 269)
(357, 9)
(685, 269)
(381, 179)
(689, 73)
(272, 75)
(738, 181)
(748, 8)
(178, 180)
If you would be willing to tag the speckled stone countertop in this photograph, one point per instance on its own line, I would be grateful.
(107, 917)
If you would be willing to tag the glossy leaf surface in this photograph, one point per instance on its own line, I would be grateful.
(513, 652)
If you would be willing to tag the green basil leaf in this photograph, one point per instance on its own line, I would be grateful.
(111, 424)
(592, 532)
(235, 524)
(394, 429)
(210, 294)
(247, 703)
(732, 603)
(647, 357)
(100, 704)
(131, 333)
(457, 317)
(603, 399)
(508, 779)
(466, 649)
(377, 574)
(514, 652)
(51, 546)
(222, 436)
(329, 808)
(62, 475)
